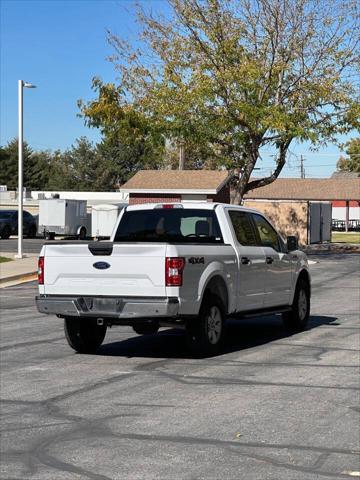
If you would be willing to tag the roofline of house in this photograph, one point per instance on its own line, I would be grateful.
(224, 182)
(165, 191)
(293, 199)
(178, 191)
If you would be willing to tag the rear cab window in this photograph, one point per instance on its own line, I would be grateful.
(170, 225)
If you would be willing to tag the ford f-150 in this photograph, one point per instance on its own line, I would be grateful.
(188, 265)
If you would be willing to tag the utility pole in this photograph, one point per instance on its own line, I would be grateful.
(182, 155)
(302, 169)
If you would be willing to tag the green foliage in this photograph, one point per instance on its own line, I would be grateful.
(83, 167)
(352, 162)
(36, 166)
(129, 136)
(234, 77)
(76, 168)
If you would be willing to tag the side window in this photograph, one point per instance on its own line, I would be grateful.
(243, 228)
(268, 236)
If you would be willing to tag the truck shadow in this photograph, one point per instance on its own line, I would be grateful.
(241, 335)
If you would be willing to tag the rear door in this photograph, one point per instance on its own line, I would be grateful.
(251, 258)
(278, 273)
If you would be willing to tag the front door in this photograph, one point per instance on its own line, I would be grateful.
(251, 263)
(278, 280)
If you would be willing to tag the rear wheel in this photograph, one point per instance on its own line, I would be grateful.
(82, 233)
(297, 318)
(84, 335)
(146, 329)
(205, 335)
(32, 231)
(6, 232)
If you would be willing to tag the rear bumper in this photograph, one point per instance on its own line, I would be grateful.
(110, 307)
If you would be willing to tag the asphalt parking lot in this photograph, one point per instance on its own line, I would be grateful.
(271, 407)
(30, 245)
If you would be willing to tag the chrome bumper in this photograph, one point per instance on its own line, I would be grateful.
(112, 307)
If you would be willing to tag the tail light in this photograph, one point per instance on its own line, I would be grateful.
(41, 266)
(174, 267)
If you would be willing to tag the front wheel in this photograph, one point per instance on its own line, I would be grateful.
(297, 318)
(84, 335)
(5, 234)
(205, 335)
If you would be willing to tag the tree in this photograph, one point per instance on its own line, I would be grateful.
(82, 167)
(119, 161)
(85, 166)
(8, 169)
(35, 164)
(239, 76)
(130, 141)
(352, 163)
(78, 168)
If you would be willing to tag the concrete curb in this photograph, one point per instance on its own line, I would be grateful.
(17, 279)
(332, 248)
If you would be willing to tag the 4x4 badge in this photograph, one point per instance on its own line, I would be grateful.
(194, 260)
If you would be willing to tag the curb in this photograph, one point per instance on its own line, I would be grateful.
(19, 278)
(334, 248)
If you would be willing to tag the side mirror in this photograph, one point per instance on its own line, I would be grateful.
(292, 243)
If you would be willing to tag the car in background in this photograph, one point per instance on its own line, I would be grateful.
(9, 223)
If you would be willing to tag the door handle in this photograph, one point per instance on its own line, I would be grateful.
(245, 260)
(269, 260)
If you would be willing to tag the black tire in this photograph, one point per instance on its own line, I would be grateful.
(6, 232)
(32, 231)
(82, 233)
(205, 335)
(84, 335)
(297, 318)
(146, 329)
(49, 235)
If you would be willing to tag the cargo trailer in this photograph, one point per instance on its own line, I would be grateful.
(58, 216)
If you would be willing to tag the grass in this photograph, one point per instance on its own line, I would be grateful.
(343, 237)
(5, 259)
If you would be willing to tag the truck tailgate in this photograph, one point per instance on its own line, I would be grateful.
(134, 270)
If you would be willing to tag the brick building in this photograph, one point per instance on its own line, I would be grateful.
(349, 209)
(295, 204)
(149, 186)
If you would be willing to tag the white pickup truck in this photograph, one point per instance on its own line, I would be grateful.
(187, 265)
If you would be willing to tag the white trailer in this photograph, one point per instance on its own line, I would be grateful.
(103, 219)
(59, 216)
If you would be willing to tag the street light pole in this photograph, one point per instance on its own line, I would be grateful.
(21, 85)
(20, 171)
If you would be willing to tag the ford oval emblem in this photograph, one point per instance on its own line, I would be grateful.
(101, 265)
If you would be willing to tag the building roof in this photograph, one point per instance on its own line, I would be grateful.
(308, 189)
(344, 174)
(177, 181)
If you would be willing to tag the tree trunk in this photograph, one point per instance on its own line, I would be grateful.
(244, 184)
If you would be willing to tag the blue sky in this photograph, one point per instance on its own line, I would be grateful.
(59, 45)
